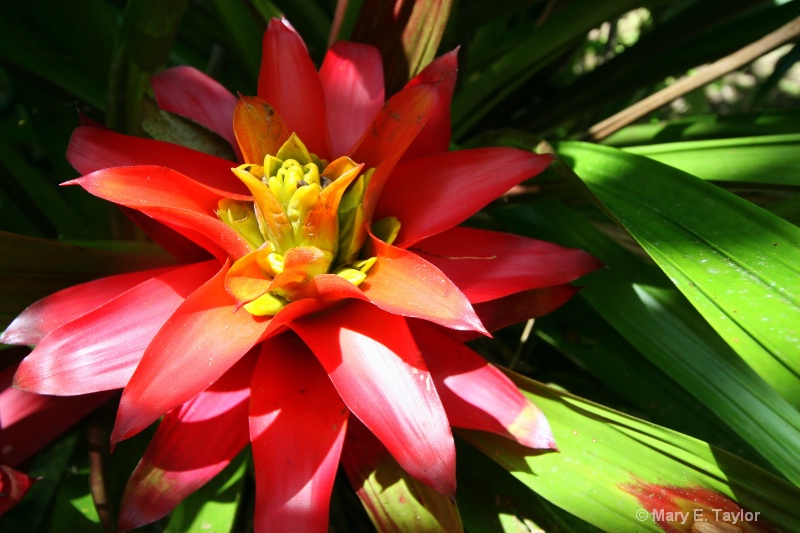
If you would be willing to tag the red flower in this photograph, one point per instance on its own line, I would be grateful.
(331, 291)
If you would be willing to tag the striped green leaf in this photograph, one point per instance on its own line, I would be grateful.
(736, 263)
(605, 458)
(765, 160)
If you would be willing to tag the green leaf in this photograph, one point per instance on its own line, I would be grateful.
(603, 453)
(244, 31)
(586, 337)
(213, 507)
(66, 44)
(660, 324)
(394, 500)
(491, 499)
(766, 160)
(143, 46)
(707, 127)
(616, 352)
(42, 194)
(736, 263)
(73, 508)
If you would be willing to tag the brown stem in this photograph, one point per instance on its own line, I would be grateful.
(704, 75)
(98, 439)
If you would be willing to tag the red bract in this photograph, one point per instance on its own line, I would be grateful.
(338, 270)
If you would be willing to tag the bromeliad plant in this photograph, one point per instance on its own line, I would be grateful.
(312, 231)
(338, 272)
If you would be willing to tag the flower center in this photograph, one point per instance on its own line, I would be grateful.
(302, 222)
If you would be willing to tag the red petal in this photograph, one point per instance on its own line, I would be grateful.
(174, 465)
(352, 78)
(149, 186)
(435, 137)
(205, 231)
(13, 486)
(100, 350)
(289, 82)
(178, 246)
(200, 342)
(329, 288)
(476, 395)
(30, 421)
(403, 283)
(434, 193)
(188, 92)
(487, 265)
(516, 308)
(392, 131)
(297, 427)
(259, 130)
(52, 312)
(170, 197)
(375, 365)
(92, 149)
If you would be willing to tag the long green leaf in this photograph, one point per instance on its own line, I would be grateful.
(736, 263)
(665, 328)
(491, 499)
(43, 194)
(604, 455)
(767, 160)
(706, 127)
(660, 324)
(632, 365)
(67, 44)
(244, 31)
(142, 47)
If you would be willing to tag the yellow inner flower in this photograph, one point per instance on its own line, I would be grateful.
(302, 222)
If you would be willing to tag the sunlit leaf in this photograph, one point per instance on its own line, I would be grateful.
(766, 160)
(602, 453)
(394, 500)
(491, 499)
(735, 262)
(663, 327)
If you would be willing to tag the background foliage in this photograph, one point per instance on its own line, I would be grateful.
(681, 357)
